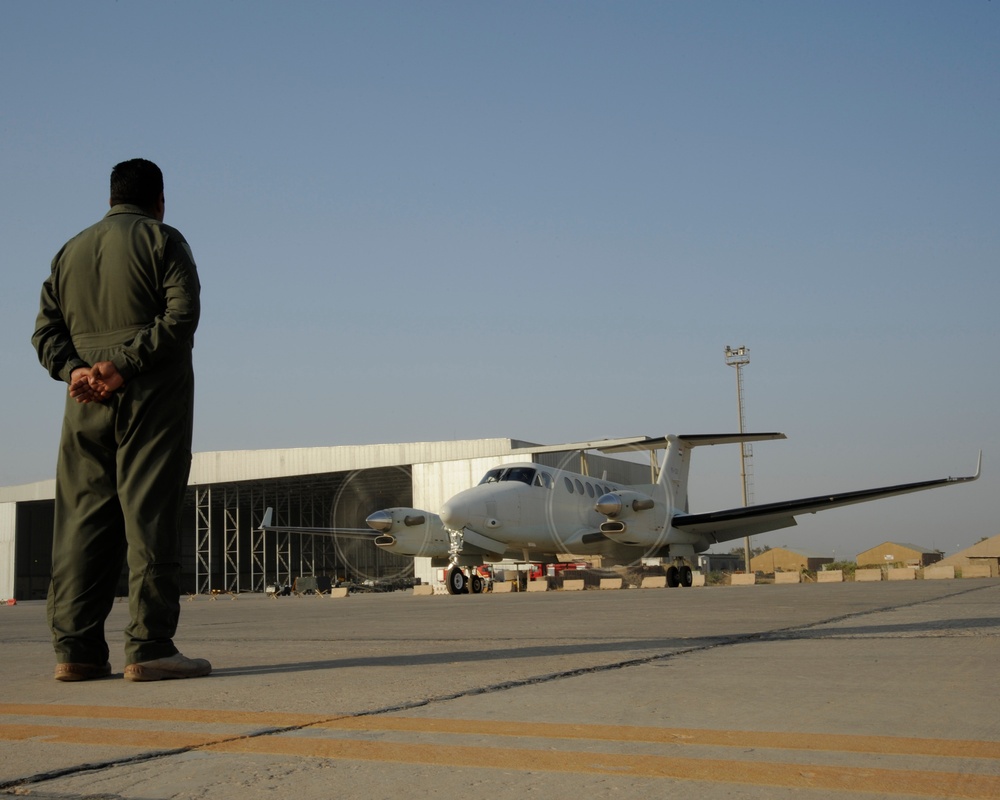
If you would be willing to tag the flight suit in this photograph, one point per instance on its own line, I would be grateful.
(125, 290)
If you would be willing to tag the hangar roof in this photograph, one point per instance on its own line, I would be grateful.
(239, 465)
(916, 548)
(227, 466)
(797, 551)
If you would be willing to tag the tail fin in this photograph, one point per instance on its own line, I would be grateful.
(677, 459)
(268, 516)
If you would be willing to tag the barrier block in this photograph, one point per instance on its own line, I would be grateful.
(503, 587)
(902, 574)
(698, 579)
(743, 579)
(830, 576)
(339, 591)
(938, 573)
(611, 583)
(787, 577)
(574, 585)
(977, 571)
(423, 590)
(653, 582)
(862, 575)
(538, 586)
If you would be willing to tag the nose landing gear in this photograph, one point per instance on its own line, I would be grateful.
(457, 582)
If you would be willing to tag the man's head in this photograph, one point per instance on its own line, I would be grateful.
(138, 182)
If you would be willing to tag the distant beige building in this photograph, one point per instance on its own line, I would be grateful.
(985, 553)
(893, 553)
(781, 559)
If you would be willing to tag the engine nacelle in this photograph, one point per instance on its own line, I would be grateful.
(623, 503)
(650, 532)
(635, 519)
(410, 532)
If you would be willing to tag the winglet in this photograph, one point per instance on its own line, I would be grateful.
(266, 522)
(979, 471)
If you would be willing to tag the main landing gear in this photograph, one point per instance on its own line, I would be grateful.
(679, 576)
(460, 583)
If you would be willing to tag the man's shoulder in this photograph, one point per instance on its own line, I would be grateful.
(133, 215)
(170, 231)
(94, 229)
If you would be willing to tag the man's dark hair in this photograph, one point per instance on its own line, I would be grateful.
(138, 182)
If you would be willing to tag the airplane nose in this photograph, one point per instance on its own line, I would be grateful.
(452, 516)
(380, 521)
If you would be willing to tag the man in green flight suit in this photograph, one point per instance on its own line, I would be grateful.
(116, 323)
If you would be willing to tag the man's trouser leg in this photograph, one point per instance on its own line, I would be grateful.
(154, 460)
(88, 541)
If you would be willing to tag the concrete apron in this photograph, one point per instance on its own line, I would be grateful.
(776, 691)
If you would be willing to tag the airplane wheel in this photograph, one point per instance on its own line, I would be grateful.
(457, 582)
(686, 576)
(476, 584)
(672, 577)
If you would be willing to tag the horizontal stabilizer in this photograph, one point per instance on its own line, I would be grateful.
(633, 443)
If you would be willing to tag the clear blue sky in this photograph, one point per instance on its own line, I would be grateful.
(438, 220)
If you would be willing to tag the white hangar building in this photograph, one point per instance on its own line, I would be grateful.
(229, 491)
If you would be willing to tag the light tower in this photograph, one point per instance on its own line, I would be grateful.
(739, 357)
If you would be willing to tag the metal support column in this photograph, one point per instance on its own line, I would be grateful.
(258, 541)
(231, 526)
(307, 542)
(283, 545)
(203, 540)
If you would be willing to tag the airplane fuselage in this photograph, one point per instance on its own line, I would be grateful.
(526, 510)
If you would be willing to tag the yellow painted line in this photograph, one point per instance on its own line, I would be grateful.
(765, 773)
(107, 737)
(796, 776)
(889, 745)
(256, 718)
(885, 745)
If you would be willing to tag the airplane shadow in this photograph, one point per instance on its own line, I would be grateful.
(650, 649)
(469, 656)
(931, 629)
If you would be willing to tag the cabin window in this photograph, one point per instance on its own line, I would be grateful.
(590, 490)
(544, 480)
(569, 485)
(579, 486)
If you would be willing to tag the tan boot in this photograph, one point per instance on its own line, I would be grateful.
(162, 669)
(73, 671)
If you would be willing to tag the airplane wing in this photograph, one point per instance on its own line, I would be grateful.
(735, 523)
(350, 533)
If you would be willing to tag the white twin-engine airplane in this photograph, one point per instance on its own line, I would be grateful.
(531, 512)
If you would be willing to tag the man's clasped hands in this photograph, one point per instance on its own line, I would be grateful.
(95, 384)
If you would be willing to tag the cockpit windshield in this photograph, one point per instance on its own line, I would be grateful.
(491, 477)
(522, 474)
